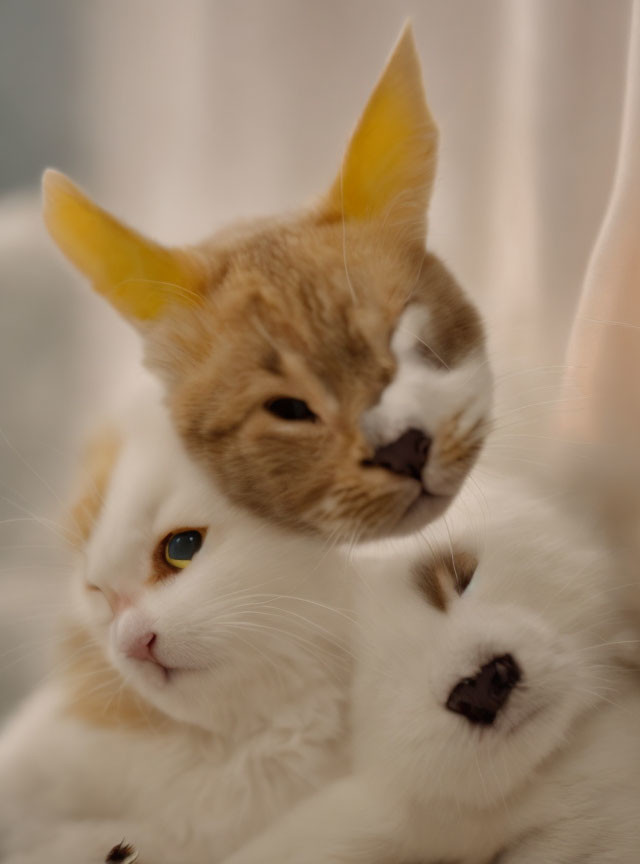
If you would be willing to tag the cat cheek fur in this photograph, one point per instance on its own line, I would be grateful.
(442, 385)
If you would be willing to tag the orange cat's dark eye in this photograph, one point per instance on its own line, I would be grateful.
(287, 408)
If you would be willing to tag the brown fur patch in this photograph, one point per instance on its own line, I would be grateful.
(456, 328)
(442, 574)
(427, 576)
(96, 693)
(96, 467)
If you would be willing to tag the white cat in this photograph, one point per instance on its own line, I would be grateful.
(497, 699)
(194, 705)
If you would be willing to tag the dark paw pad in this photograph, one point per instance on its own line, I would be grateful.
(124, 853)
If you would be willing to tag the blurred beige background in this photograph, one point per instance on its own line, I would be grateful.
(180, 116)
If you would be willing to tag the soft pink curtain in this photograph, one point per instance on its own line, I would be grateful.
(604, 350)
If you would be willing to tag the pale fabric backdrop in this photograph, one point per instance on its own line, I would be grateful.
(180, 116)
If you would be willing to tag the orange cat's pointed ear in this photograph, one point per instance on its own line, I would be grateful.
(388, 170)
(141, 278)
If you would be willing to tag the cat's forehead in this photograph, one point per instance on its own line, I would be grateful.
(340, 283)
(287, 297)
(334, 296)
(153, 489)
(357, 263)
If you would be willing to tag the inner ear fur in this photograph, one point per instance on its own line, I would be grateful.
(389, 167)
(140, 277)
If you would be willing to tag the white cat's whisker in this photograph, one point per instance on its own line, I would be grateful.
(49, 524)
(313, 649)
(598, 645)
(426, 345)
(277, 613)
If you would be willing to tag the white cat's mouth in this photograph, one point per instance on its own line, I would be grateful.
(161, 674)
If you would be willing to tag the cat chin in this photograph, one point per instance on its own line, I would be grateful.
(482, 767)
(426, 508)
(522, 746)
(175, 692)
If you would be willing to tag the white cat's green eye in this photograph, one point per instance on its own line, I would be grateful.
(181, 546)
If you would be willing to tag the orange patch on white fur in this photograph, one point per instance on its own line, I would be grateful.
(97, 694)
(96, 467)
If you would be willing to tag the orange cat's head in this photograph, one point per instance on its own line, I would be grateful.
(325, 368)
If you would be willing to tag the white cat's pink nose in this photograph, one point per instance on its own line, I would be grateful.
(140, 647)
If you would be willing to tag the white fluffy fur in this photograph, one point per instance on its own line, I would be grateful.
(258, 625)
(556, 779)
(423, 396)
(427, 397)
(260, 720)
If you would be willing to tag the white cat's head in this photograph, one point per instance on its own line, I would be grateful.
(504, 634)
(188, 599)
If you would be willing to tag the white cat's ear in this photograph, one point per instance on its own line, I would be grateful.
(141, 278)
(388, 170)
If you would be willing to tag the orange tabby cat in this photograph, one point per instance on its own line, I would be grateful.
(326, 369)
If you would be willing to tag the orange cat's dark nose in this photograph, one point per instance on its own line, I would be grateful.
(407, 455)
